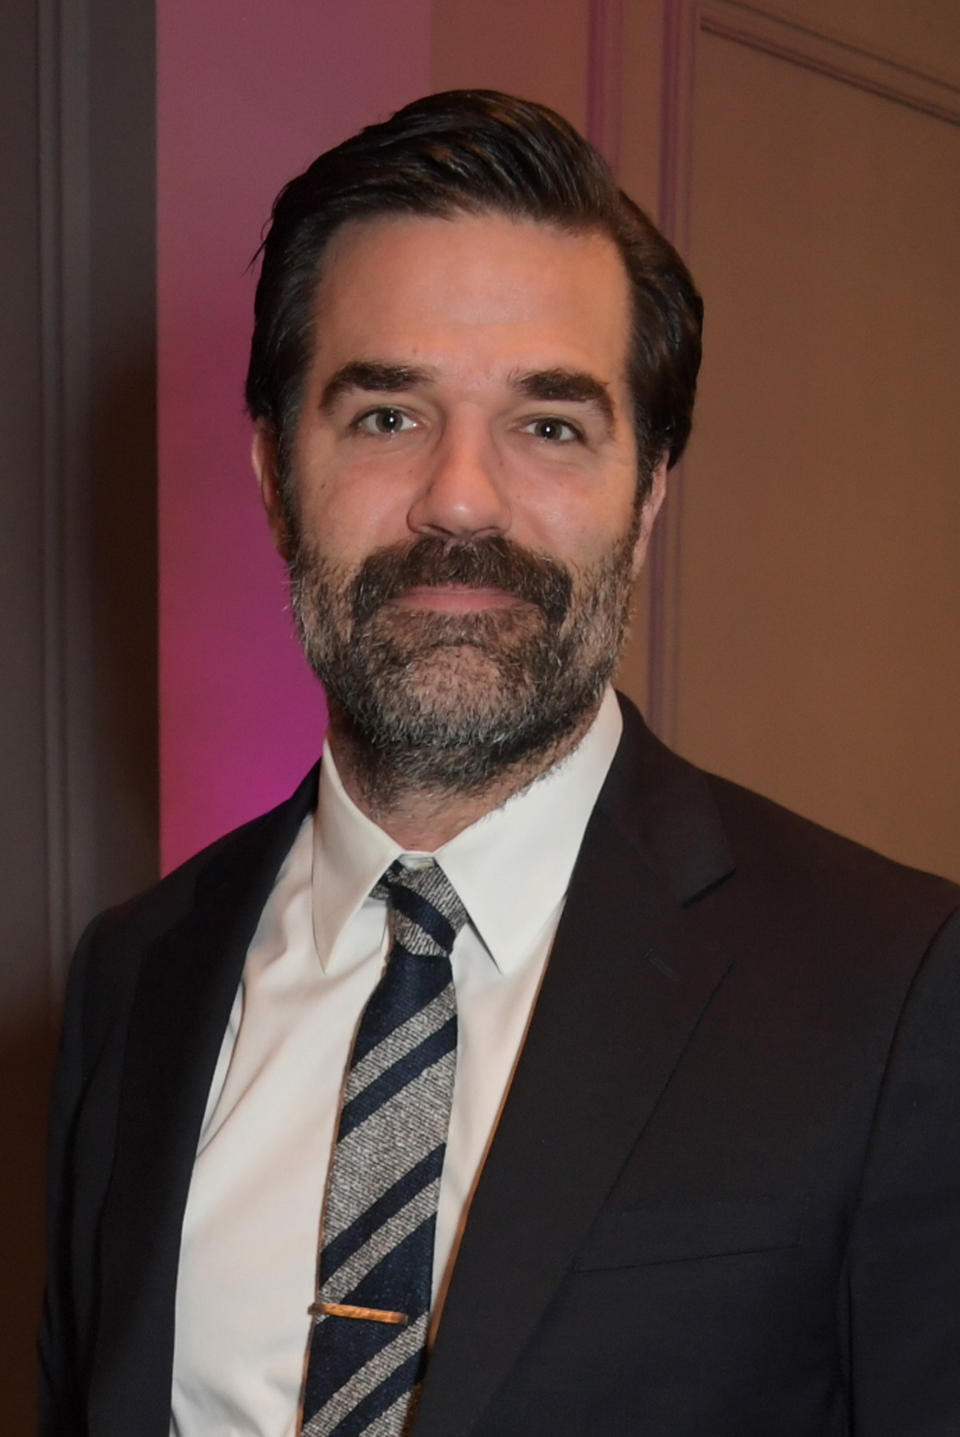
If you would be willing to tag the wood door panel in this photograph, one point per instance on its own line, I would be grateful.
(817, 616)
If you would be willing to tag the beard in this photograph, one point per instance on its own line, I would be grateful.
(449, 702)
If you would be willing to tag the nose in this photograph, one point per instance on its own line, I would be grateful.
(463, 495)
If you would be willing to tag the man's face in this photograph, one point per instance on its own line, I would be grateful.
(461, 519)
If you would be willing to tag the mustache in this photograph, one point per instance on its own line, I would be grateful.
(494, 563)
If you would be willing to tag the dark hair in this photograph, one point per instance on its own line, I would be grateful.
(474, 151)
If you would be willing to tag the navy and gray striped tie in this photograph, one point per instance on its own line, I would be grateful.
(368, 1346)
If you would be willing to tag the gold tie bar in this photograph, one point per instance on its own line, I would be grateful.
(345, 1309)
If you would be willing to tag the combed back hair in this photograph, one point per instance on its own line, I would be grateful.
(474, 152)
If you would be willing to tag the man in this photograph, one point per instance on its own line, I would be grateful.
(698, 1174)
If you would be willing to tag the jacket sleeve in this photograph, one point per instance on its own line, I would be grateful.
(904, 1256)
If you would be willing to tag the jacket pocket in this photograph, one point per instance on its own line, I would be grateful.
(684, 1230)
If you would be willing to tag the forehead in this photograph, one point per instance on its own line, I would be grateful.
(484, 290)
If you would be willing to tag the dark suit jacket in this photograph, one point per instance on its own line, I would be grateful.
(724, 1196)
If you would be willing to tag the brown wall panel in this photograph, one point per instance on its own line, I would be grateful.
(817, 610)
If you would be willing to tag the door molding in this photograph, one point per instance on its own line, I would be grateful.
(96, 458)
(64, 195)
(764, 30)
(605, 78)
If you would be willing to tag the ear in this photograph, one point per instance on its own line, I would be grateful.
(648, 513)
(263, 456)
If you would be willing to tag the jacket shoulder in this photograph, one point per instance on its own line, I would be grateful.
(767, 834)
(848, 908)
(244, 862)
(772, 859)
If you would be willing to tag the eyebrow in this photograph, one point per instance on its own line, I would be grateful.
(571, 386)
(374, 376)
(574, 386)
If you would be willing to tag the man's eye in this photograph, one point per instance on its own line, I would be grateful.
(383, 421)
(553, 430)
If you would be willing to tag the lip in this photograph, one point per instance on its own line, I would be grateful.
(455, 599)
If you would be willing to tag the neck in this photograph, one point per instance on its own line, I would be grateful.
(422, 817)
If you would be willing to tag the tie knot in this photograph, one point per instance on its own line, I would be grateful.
(426, 913)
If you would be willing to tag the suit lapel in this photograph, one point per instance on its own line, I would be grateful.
(622, 994)
(187, 983)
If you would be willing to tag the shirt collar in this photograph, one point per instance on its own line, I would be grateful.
(511, 868)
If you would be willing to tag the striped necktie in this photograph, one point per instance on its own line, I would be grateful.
(368, 1345)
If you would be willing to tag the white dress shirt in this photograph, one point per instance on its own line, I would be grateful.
(250, 1234)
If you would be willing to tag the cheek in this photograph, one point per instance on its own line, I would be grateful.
(582, 525)
(345, 523)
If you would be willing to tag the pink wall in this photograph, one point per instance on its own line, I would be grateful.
(245, 99)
